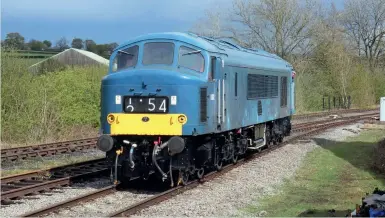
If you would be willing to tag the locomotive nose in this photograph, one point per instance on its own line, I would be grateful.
(143, 78)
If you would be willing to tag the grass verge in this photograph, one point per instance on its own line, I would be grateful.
(335, 176)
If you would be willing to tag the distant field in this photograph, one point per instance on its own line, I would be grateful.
(32, 54)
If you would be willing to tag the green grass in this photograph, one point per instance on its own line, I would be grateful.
(335, 176)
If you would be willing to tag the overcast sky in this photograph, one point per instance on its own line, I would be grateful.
(104, 21)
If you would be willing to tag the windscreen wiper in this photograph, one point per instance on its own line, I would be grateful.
(192, 52)
(121, 51)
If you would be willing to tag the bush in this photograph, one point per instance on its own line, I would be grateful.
(51, 106)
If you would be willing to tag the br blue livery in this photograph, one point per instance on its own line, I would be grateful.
(176, 104)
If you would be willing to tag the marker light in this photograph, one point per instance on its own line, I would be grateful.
(182, 119)
(110, 118)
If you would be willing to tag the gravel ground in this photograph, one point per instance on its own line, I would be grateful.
(104, 206)
(223, 196)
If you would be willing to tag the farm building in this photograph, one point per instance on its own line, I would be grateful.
(69, 57)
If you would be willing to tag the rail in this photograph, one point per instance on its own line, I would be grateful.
(17, 186)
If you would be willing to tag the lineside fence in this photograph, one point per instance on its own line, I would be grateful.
(336, 102)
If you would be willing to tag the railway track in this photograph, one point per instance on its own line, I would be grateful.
(321, 114)
(304, 132)
(18, 186)
(21, 153)
(314, 124)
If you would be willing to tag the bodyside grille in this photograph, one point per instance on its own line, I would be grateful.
(262, 86)
(283, 91)
(203, 104)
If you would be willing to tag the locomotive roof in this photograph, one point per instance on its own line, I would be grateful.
(235, 53)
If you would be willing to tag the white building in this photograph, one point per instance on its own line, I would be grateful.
(69, 57)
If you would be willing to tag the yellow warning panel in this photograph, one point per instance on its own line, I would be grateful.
(146, 124)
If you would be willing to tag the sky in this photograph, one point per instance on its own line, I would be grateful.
(104, 21)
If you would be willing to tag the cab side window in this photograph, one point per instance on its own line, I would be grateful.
(212, 69)
(125, 58)
(191, 59)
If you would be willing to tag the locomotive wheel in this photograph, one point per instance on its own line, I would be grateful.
(280, 139)
(274, 140)
(234, 159)
(183, 178)
(268, 139)
(200, 173)
(218, 166)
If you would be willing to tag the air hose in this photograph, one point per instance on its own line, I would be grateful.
(133, 146)
(154, 152)
(172, 181)
(118, 152)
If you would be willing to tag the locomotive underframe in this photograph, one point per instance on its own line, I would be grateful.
(141, 156)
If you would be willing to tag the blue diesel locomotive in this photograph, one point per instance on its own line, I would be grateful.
(177, 104)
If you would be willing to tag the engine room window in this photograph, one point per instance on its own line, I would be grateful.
(126, 58)
(191, 58)
(158, 53)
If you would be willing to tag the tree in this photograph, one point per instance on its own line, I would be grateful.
(90, 45)
(210, 25)
(112, 46)
(364, 23)
(278, 26)
(47, 43)
(36, 45)
(62, 43)
(14, 40)
(77, 43)
(103, 50)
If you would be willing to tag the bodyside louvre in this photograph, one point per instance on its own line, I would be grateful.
(259, 108)
(203, 104)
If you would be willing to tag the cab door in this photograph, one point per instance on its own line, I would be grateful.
(219, 93)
